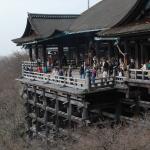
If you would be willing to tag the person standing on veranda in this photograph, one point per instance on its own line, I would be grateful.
(93, 77)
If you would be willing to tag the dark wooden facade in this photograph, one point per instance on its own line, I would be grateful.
(133, 35)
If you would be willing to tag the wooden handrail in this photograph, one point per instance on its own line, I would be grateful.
(139, 74)
(68, 81)
(82, 83)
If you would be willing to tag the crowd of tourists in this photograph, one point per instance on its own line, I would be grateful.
(109, 67)
(103, 68)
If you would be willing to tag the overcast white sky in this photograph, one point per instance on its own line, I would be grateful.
(13, 15)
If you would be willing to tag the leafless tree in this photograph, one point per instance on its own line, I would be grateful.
(12, 124)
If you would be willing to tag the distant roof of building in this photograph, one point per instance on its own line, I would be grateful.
(104, 14)
(130, 29)
(41, 26)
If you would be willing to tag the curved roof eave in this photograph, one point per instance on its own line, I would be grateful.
(29, 27)
(130, 13)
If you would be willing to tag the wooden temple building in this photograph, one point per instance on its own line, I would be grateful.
(111, 28)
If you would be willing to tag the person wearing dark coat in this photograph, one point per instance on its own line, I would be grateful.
(132, 64)
(82, 72)
(106, 66)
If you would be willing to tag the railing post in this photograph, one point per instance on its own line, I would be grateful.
(114, 76)
(114, 72)
(128, 74)
(135, 74)
(47, 78)
(143, 73)
(128, 88)
(88, 80)
(22, 69)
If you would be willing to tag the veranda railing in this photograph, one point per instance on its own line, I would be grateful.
(134, 74)
(139, 74)
(55, 79)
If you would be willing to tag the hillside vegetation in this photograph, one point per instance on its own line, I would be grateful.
(12, 124)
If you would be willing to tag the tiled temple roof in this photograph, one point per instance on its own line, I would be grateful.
(40, 26)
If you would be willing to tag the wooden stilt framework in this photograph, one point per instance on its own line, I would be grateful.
(46, 109)
(50, 111)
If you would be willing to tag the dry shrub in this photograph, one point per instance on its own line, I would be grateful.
(133, 137)
(11, 106)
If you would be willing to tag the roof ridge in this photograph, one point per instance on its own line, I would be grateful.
(53, 16)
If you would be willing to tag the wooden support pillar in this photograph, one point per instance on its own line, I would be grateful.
(60, 55)
(36, 52)
(137, 57)
(44, 58)
(77, 56)
(36, 110)
(27, 97)
(142, 53)
(45, 113)
(85, 112)
(44, 55)
(126, 47)
(109, 51)
(29, 120)
(127, 93)
(96, 46)
(56, 113)
(118, 111)
(69, 111)
(30, 53)
(137, 105)
(146, 53)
